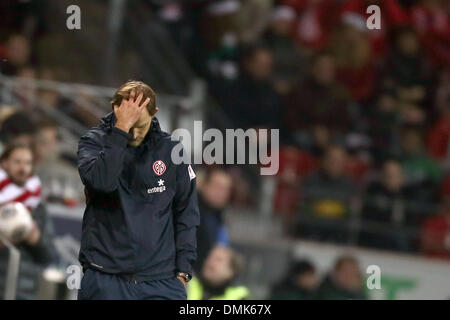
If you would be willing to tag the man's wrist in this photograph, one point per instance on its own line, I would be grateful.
(124, 127)
(186, 276)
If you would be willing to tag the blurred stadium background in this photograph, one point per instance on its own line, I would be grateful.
(364, 118)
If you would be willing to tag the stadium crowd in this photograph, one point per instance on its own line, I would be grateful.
(363, 114)
(364, 118)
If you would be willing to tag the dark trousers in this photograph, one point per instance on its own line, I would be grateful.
(97, 285)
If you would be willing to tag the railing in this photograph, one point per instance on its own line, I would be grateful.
(402, 224)
(12, 273)
(96, 102)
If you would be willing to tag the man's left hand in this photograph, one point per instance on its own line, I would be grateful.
(182, 280)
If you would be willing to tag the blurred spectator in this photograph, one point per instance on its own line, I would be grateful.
(17, 184)
(213, 197)
(383, 119)
(289, 61)
(316, 19)
(24, 92)
(355, 65)
(253, 19)
(17, 54)
(406, 67)
(217, 280)
(343, 282)
(430, 19)
(328, 196)
(251, 100)
(407, 72)
(319, 101)
(244, 20)
(435, 236)
(218, 39)
(385, 213)
(19, 127)
(294, 166)
(392, 15)
(299, 284)
(421, 171)
(46, 97)
(439, 134)
(60, 178)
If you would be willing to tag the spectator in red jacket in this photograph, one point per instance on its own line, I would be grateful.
(430, 19)
(316, 19)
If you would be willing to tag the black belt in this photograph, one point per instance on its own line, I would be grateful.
(130, 277)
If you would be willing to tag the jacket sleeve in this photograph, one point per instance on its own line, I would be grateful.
(186, 219)
(100, 162)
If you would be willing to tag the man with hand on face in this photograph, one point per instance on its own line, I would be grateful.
(139, 226)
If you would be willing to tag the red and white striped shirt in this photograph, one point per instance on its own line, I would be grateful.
(29, 194)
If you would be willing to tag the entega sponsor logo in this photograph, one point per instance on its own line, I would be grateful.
(156, 189)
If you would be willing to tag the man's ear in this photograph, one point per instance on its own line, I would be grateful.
(156, 111)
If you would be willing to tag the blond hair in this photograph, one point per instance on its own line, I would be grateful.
(140, 87)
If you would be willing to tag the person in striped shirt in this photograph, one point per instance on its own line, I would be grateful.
(19, 184)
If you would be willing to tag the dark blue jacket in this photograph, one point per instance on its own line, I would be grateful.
(136, 221)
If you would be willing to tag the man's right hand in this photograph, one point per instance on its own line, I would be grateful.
(129, 111)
